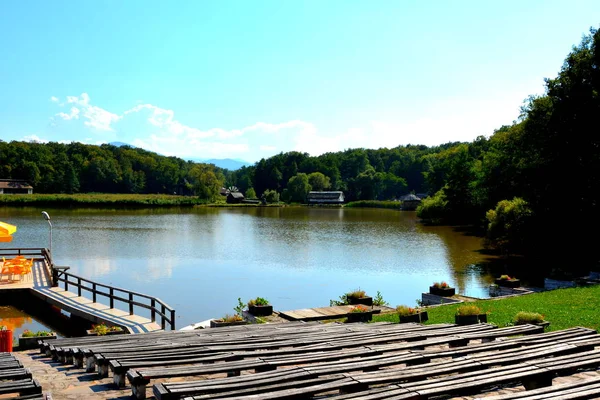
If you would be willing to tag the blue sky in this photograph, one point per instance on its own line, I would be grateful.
(246, 80)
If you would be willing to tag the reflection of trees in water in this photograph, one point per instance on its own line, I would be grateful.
(464, 252)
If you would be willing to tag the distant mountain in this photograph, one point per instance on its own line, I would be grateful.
(225, 163)
(119, 144)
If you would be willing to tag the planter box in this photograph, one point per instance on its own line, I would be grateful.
(446, 292)
(92, 333)
(420, 317)
(545, 324)
(31, 342)
(367, 301)
(469, 319)
(360, 316)
(219, 324)
(511, 283)
(261, 311)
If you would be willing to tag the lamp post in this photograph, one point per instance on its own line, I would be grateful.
(47, 218)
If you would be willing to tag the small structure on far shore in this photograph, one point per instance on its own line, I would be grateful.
(410, 202)
(235, 198)
(325, 198)
(15, 186)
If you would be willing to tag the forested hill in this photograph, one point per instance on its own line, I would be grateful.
(75, 167)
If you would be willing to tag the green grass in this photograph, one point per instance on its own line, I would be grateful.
(395, 205)
(100, 199)
(564, 308)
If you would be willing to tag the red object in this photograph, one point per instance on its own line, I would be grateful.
(6, 341)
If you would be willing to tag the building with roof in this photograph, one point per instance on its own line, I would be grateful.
(410, 202)
(15, 186)
(235, 197)
(325, 198)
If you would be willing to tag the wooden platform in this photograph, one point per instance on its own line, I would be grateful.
(323, 313)
(39, 284)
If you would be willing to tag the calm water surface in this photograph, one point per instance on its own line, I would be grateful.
(201, 260)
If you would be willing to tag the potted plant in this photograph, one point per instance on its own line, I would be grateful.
(103, 329)
(360, 313)
(468, 314)
(410, 314)
(524, 317)
(359, 297)
(260, 307)
(442, 289)
(228, 320)
(507, 281)
(29, 340)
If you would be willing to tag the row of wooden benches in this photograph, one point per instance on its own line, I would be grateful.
(15, 379)
(335, 348)
(533, 365)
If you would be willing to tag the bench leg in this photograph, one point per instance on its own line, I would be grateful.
(139, 390)
(119, 379)
(538, 381)
(103, 371)
(78, 361)
(68, 358)
(90, 364)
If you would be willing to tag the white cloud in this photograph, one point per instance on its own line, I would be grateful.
(34, 139)
(74, 114)
(54, 99)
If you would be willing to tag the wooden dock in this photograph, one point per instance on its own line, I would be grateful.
(323, 313)
(43, 282)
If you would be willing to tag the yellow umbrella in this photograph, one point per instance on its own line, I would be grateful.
(6, 230)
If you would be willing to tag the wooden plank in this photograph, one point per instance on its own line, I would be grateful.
(578, 390)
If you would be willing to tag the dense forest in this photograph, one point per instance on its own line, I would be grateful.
(533, 185)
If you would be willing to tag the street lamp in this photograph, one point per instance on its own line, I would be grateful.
(47, 218)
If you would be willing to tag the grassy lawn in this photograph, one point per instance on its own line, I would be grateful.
(564, 308)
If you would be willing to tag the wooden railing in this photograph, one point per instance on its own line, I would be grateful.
(156, 306)
(37, 253)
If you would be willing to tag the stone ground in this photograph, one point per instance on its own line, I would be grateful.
(65, 382)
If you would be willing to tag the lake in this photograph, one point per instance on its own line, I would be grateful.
(200, 260)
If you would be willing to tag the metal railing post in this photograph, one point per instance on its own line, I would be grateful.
(112, 298)
(172, 320)
(162, 318)
(153, 310)
(130, 303)
(79, 287)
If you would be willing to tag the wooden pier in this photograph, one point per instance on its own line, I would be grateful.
(45, 282)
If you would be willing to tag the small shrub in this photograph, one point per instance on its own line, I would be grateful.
(405, 311)
(441, 285)
(359, 308)
(231, 318)
(259, 301)
(379, 301)
(28, 333)
(102, 329)
(505, 278)
(468, 309)
(524, 317)
(356, 294)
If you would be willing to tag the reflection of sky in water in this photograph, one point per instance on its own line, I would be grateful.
(201, 260)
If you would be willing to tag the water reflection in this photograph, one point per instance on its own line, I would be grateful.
(201, 260)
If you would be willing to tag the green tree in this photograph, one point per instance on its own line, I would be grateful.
(509, 225)
(250, 193)
(318, 181)
(271, 196)
(298, 187)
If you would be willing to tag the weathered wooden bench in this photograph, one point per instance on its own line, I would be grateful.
(584, 389)
(286, 390)
(21, 386)
(15, 374)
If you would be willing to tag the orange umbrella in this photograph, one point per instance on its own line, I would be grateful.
(6, 230)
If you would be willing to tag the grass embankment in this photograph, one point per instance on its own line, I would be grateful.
(395, 205)
(100, 200)
(564, 308)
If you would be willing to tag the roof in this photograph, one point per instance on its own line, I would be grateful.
(409, 197)
(236, 195)
(325, 195)
(14, 184)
